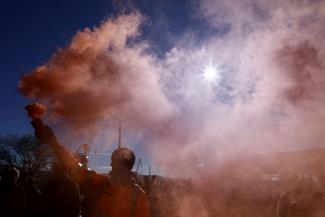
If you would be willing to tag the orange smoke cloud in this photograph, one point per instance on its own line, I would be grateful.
(99, 75)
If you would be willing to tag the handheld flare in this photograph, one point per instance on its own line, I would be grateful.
(35, 110)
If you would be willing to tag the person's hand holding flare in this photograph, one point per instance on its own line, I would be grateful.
(35, 110)
(42, 132)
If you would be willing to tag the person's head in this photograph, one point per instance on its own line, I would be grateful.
(10, 176)
(122, 160)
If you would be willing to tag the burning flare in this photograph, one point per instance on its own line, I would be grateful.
(35, 110)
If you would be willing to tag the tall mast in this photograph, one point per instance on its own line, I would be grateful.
(120, 136)
(139, 165)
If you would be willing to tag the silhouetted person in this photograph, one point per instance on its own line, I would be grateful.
(61, 195)
(114, 196)
(12, 196)
(21, 181)
(122, 198)
(301, 201)
(33, 199)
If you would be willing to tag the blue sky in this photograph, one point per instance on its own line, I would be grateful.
(31, 32)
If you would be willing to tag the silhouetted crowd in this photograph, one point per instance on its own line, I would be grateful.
(116, 194)
(20, 195)
(60, 196)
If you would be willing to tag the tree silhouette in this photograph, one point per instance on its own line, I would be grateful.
(25, 153)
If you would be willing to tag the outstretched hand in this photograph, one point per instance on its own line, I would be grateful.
(42, 132)
(35, 110)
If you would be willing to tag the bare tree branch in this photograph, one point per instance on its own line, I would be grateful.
(25, 153)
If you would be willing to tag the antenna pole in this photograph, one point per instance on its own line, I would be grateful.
(139, 165)
(95, 160)
(120, 135)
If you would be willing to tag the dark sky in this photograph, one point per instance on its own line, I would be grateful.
(31, 31)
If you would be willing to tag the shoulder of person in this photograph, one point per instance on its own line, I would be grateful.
(96, 177)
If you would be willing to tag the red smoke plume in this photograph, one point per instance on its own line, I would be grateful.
(99, 76)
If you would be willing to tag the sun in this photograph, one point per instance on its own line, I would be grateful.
(211, 73)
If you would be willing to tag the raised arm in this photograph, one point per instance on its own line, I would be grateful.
(45, 135)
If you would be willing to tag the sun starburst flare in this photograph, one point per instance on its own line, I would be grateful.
(211, 73)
